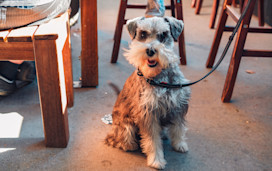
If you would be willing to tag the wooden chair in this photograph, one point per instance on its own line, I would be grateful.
(176, 6)
(238, 51)
(49, 46)
(198, 5)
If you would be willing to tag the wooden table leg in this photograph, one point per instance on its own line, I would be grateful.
(89, 53)
(52, 92)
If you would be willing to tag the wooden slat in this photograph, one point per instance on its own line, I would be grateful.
(23, 34)
(256, 53)
(233, 13)
(251, 29)
(52, 29)
(16, 51)
(139, 6)
(3, 35)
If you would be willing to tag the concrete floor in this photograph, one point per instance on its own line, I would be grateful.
(221, 136)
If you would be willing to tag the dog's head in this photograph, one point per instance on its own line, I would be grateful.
(151, 49)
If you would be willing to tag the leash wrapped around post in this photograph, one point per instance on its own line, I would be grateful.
(166, 85)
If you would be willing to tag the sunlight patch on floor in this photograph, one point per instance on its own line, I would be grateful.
(2, 150)
(10, 125)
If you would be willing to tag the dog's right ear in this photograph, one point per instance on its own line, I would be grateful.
(132, 26)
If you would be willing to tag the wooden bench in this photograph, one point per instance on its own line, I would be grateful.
(49, 46)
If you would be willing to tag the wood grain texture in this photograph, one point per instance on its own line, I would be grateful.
(16, 51)
(23, 34)
(89, 53)
(52, 95)
(49, 46)
(52, 29)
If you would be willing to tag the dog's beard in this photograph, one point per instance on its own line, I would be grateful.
(137, 56)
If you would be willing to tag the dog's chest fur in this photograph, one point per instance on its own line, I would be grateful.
(158, 102)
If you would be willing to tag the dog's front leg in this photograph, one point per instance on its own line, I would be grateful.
(151, 144)
(177, 135)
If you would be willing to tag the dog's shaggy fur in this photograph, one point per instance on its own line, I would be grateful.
(143, 110)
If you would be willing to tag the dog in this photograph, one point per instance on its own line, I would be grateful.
(143, 111)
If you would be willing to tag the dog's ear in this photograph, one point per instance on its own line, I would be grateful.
(132, 26)
(176, 26)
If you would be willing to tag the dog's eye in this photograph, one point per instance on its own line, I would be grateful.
(161, 37)
(143, 35)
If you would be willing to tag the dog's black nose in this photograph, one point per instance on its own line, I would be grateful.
(150, 52)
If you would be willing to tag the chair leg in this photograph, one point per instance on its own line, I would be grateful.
(52, 92)
(181, 40)
(173, 8)
(237, 54)
(118, 30)
(261, 12)
(241, 5)
(68, 72)
(214, 13)
(193, 3)
(234, 3)
(198, 6)
(218, 35)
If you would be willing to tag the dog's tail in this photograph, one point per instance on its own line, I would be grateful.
(115, 88)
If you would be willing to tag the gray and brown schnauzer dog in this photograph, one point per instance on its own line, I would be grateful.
(144, 110)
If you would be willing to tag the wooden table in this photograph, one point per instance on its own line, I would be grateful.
(89, 52)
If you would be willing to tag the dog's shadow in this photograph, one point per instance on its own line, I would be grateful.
(175, 160)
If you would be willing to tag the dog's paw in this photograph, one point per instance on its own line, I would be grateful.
(181, 147)
(109, 140)
(157, 163)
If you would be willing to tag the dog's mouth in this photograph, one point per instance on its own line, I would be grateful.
(152, 63)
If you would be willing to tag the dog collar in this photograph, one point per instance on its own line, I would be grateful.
(161, 84)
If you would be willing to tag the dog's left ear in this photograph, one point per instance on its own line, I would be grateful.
(132, 26)
(176, 26)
